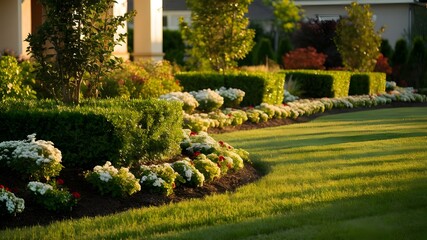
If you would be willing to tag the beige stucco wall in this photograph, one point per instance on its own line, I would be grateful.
(394, 17)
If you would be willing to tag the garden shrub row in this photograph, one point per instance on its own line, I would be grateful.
(318, 83)
(96, 131)
(259, 87)
(367, 83)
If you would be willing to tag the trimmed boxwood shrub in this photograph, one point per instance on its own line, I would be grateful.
(258, 87)
(318, 84)
(194, 81)
(99, 131)
(367, 83)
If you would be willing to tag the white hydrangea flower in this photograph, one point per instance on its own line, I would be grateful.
(39, 187)
(105, 176)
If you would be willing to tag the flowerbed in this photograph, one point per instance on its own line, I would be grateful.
(294, 109)
(203, 160)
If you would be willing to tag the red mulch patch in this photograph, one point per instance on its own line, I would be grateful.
(93, 204)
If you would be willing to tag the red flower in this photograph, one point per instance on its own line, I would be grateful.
(221, 158)
(59, 181)
(1, 186)
(193, 134)
(250, 107)
(229, 115)
(221, 143)
(196, 154)
(76, 195)
(284, 104)
(218, 165)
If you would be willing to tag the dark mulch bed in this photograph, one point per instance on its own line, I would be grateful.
(93, 204)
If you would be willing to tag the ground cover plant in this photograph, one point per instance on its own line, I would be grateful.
(355, 176)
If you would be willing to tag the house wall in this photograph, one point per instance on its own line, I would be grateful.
(171, 19)
(394, 17)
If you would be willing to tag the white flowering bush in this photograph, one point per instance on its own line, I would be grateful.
(224, 163)
(208, 168)
(200, 142)
(232, 96)
(208, 100)
(190, 103)
(36, 160)
(109, 180)
(390, 86)
(236, 117)
(190, 176)
(10, 204)
(158, 178)
(53, 197)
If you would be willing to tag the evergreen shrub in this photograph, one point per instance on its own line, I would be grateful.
(367, 83)
(88, 135)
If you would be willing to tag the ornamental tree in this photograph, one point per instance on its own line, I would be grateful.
(218, 35)
(356, 39)
(76, 40)
(286, 12)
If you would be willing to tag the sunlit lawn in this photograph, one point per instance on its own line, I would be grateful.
(349, 176)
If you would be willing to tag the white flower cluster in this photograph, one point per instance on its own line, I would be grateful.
(152, 176)
(230, 93)
(200, 142)
(190, 103)
(208, 100)
(38, 187)
(42, 152)
(105, 172)
(13, 204)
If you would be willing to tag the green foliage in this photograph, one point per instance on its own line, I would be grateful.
(16, 79)
(259, 87)
(116, 182)
(356, 39)
(318, 84)
(190, 176)
(173, 47)
(286, 13)
(386, 49)
(209, 169)
(399, 60)
(158, 178)
(263, 51)
(367, 83)
(75, 40)
(53, 197)
(119, 131)
(140, 80)
(194, 81)
(218, 34)
(417, 62)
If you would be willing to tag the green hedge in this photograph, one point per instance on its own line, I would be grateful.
(194, 81)
(318, 83)
(258, 87)
(367, 83)
(113, 130)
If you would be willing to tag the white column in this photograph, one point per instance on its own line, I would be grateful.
(119, 9)
(148, 29)
(15, 25)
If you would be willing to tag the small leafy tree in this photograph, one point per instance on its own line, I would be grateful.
(76, 40)
(287, 13)
(356, 39)
(218, 34)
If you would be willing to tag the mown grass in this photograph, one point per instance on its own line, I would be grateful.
(349, 176)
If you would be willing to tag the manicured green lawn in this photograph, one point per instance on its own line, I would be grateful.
(349, 176)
